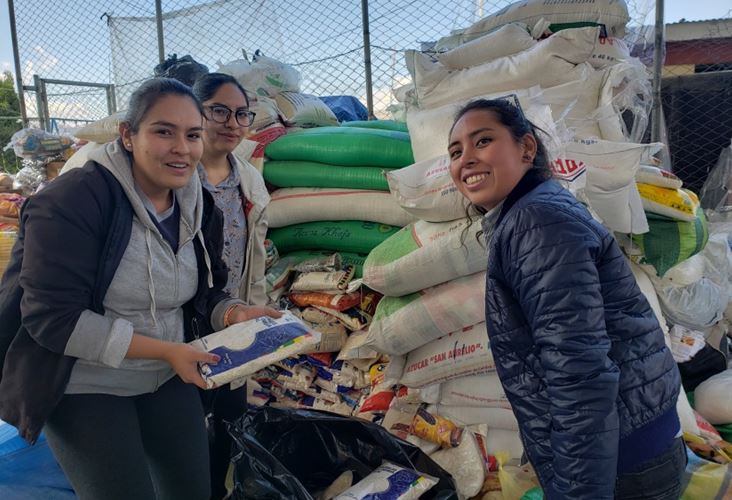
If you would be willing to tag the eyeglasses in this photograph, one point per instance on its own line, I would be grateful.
(221, 114)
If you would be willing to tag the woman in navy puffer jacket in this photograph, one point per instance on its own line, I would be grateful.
(577, 347)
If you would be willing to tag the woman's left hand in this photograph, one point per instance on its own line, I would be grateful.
(243, 313)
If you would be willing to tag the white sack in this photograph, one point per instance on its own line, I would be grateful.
(304, 110)
(498, 418)
(505, 41)
(424, 254)
(402, 324)
(465, 465)
(613, 14)
(561, 58)
(483, 390)
(456, 355)
(298, 205)
(609, 180)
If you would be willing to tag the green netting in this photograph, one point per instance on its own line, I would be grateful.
(339, 236)
(312, 174)
(350, 146)
(379, 124)
(355, 259)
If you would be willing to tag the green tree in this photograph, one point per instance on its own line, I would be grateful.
(9, 121)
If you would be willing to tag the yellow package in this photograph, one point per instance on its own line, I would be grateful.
(515, 480)
(679, 204)
(436, 429)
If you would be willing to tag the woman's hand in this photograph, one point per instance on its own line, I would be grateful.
(242, 313)
(184, 359)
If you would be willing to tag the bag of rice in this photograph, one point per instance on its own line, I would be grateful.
(679, 204)
(304, 110)
(248, 347)
(456, 355)
(402, 324)
(390, 481)
(449, 250)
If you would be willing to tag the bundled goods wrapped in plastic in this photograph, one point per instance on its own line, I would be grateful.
(402, 324)
(36, 144)
(449, 250)
(349, 146)
(298, 205)
(696, 292)
(247, 347)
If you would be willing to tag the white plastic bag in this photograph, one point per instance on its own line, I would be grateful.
(390, 481)
(712, 398)
(304, 110)
(264, 76)
(505, 41)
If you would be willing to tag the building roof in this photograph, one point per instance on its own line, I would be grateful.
(699, 30)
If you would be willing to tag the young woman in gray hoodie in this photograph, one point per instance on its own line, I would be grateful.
(110, 291)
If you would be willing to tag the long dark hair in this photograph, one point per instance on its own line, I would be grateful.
(207, 85)
(149, 93)
(509, 114)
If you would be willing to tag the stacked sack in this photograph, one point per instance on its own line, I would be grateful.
(583, 76)
(431, 321)
(275, 98)
(332, 194)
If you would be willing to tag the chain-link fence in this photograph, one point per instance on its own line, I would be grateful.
(118, 42)
(697, 95)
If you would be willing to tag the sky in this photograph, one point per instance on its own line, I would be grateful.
(674, 10)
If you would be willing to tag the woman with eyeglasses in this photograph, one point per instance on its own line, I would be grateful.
(239, 192)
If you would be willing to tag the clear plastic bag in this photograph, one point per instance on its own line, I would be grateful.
(716, 194)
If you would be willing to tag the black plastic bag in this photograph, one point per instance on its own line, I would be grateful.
(296, 453)
(185, 69)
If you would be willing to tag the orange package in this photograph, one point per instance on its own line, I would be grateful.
(339, 302)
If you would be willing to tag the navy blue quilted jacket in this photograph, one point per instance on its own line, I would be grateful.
(577, 347)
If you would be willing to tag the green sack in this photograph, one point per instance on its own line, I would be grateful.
(380, 124)
(339, 236)
(669, 242)
(312, 174)
(350, 146)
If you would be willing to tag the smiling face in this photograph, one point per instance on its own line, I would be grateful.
(486, 161)
(223, 138)
(167, 145)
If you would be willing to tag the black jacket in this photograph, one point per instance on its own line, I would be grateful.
(579, 351)
(88, 201)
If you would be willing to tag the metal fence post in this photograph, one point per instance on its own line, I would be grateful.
(658, 60)
(159, 22)
(111, 99)
(16, 61)
(40, 102)
(367, 57)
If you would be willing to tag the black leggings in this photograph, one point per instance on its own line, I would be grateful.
(151, 446)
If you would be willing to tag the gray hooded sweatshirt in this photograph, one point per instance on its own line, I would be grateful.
(145, 296)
